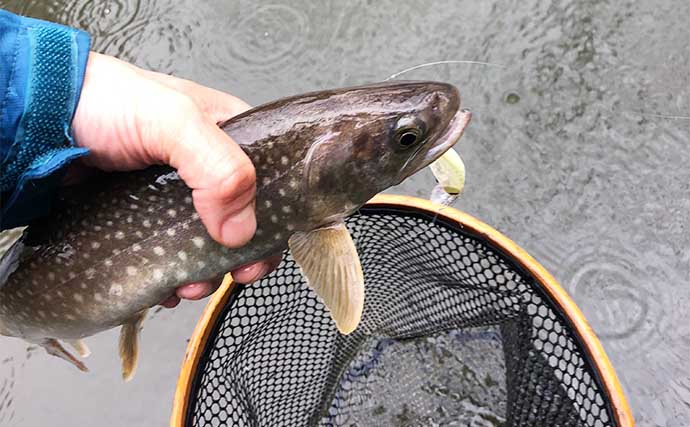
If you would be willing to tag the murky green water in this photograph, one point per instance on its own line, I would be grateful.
(578, 151)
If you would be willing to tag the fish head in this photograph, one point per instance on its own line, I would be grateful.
(383, 134)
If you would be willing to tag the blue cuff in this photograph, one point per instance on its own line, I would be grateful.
(49, 62)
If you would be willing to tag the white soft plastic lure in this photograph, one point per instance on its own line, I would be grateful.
(449, 171)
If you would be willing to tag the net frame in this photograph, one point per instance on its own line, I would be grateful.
(593, 350)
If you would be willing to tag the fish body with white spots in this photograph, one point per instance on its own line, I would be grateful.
(120, 244)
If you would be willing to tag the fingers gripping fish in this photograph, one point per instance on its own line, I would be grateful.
(119, 245)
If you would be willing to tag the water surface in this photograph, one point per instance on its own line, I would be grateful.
(578, 151)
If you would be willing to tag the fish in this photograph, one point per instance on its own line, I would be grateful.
(449, 171)
(118, 245)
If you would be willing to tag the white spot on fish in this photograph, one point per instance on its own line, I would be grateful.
(131, 270)
(130, 219)
(200, 264)
(78, 297)
(287, 209)
(293, 183)
(139, 234)
(133, 197)
(109, 223)
(181, 275)
(157, 274)
(290, 227)
(71, 275)
(98, 297)
(281, 192)
(195, 216)
(198, 241)
(41, 314)
(170, 232)
(146, 223)
(159, 251)
(70, 317)
(278, 236)
(95, 245)
(66, 251)
(116, 290)
(152, 198)
(188, 200)
(134, 206)
(182, 255)
(51, 276)
(86, 255)
(266, 180)
(83, 285)
(159, 222)
(97, 228)
(284, 160)
(259, 232)
(172, 213)
(136, 247)
(119, 235)
(154, 188)
(90, 273)
(108, 262)
(163, 179)
(268, 203)
(274, 218)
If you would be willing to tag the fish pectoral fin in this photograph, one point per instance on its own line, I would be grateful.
(81, 347)
(329, 261)
(54, 348)
(129, 345)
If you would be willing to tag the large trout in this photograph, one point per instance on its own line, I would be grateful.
(116, 246)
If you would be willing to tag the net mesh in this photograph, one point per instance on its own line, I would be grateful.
(453, 333)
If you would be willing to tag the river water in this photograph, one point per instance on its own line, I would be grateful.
(578, 151)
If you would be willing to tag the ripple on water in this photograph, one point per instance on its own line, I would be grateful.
(52, 10)
(269, 35)
(159, 36)
(102, 18)
(625, 302)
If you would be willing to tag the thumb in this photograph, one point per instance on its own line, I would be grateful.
(222, 177)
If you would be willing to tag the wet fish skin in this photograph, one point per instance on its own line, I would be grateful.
(116, 246)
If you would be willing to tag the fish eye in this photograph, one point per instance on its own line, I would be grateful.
(408, 136)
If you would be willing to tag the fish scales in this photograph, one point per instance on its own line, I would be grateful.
(122, 243)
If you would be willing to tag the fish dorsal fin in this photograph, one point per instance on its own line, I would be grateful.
(329, 261)
(129, 344)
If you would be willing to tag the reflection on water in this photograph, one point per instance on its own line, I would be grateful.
(577, 151)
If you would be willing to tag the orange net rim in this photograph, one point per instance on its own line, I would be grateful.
(592, 345)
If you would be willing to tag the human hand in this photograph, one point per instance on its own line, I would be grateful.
(131, 118)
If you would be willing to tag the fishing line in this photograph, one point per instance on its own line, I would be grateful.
(450, 61)
(491, 64)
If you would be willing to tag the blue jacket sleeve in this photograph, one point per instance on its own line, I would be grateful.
(41, 74)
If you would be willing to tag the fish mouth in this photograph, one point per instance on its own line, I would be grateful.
(450, 136)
